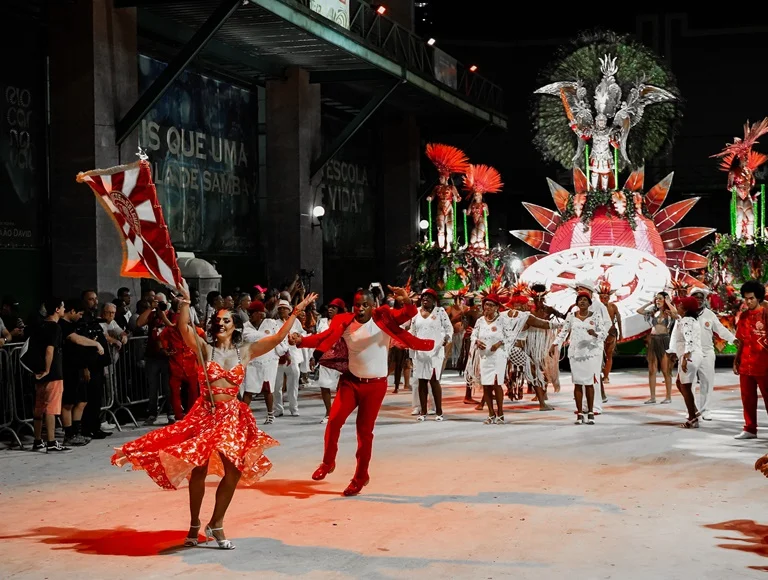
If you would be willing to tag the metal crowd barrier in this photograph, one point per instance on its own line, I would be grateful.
(130, 380)
(23, 392)
(125, 386)
(7, 414)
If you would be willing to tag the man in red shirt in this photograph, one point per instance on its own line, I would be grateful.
(751, 363)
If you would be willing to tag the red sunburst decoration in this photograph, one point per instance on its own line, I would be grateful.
(655, 240)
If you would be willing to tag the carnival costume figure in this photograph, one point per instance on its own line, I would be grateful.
(740, 161)
(685, 343)
(447, 160)
(478, 180)
(543, 368)
(609, 128)
(219, 434)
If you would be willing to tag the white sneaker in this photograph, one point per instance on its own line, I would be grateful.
(746, 435)
(706, 415)
(107, 426)
(415, 412)
(294, 413)
(431, 412)
(325, 420)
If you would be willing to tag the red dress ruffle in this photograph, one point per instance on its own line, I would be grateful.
(169, 454)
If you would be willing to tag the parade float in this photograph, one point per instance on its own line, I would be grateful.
(455, 252)
(608, 106)
(740, 255)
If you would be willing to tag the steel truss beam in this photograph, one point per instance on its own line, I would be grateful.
(157, 89)
(354, 125)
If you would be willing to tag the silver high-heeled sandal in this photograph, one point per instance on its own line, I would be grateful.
(191, 542)
(223, 544)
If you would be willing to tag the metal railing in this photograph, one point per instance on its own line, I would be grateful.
(7, 415)
(125, 386)
(404, 47)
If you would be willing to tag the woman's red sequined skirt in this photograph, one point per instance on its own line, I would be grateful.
(169, 454)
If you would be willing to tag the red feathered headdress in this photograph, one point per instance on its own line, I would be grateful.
(447, 159)
(482, 179)
(496, 292)
(604, 288)
(517, 299)
(739, 153)
(460, 293)
(520, 289)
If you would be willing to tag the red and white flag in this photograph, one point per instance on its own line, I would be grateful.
(130, 198)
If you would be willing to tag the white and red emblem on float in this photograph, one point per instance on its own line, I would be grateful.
(634, 255)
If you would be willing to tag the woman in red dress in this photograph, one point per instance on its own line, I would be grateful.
(219, 438)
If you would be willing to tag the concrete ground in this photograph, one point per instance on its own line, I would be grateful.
(633, 496)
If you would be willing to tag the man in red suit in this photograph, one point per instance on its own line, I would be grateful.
(356, 344)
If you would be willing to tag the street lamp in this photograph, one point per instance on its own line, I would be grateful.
(318, 212)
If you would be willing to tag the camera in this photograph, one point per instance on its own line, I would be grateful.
(162, 306)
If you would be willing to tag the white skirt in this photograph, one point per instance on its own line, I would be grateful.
(425, 364)
(257, 373)
(328, 378)
(586, 371)
(493, 366)
(693, 368)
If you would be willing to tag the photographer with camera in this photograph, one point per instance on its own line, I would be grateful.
(156, 364)
(95, 361)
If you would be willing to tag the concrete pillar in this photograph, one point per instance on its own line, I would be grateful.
(94, 82)
(293, 142)
(399, 210)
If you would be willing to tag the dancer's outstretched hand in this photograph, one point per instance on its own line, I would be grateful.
(307, 301)
(401, 293)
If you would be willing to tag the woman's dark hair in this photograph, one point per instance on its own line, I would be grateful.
(754, 287)
(52, 304)
(237, 334)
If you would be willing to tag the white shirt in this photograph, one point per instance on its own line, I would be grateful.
(437, 326)
(368, 348)
(268, 327)
(710, 324)
(686, 337)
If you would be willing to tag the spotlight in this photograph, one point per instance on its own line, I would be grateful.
(318, 212)
(380, 10)
(424, 224)
(473, 68)
(431, 41)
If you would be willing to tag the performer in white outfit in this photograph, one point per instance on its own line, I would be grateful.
(328, 379)
(710, 325)
(585, 352)
(288, 367)
(686, 344)
(492, 339)
(431, 322)
(603, 318)
(261, 372)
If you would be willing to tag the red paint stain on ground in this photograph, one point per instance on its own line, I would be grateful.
(755, 538)
(120, 541)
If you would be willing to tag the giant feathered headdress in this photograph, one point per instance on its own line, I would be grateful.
(447, 159)
(740, 154)
(496, 291)
(482, 179)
